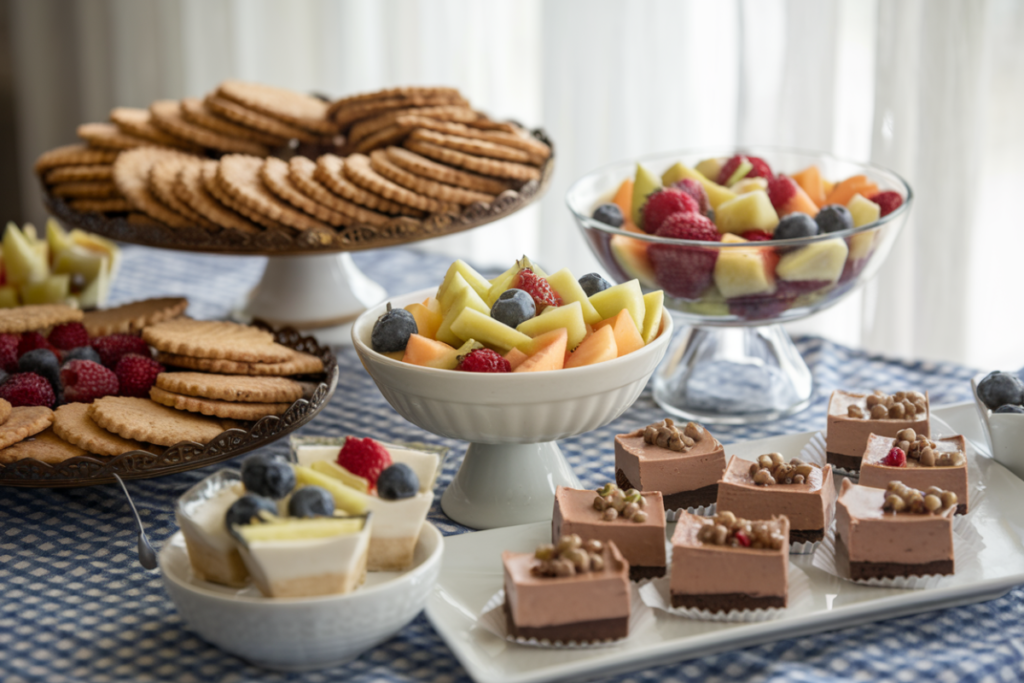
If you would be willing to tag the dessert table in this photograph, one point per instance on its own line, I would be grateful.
(76, 606)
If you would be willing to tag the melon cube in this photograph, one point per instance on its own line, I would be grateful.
(631, 255)
(627, 295)
(477, 281)
(568, 287)
(817, 261)
(654, 306)
(456, 286)
(717, 194)
(549, 356)
(645, 183)
(569, 316)
(745, 272)
(751, 211)
(597, 348)
(429, 353)
(863, 210)
(53, 290)
(472, 324)
(515, 358)
(627, 336)
(468, 299)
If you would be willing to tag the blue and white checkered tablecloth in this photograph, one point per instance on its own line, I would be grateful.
(75, 605)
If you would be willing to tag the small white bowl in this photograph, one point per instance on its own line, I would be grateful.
(1003, 432)
(302, 634)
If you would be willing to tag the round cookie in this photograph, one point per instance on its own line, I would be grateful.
(297, 364)
(143, 420)
(389, 135)
(131, 174)
(369, 126)
(358, 169)
(239, 175)
(330, 172)
(131, 318)
(287, 105)
(36, 317)
(213, 186)
(519, 140)
(163, 176)
(190, 189)
(225, 409)
(421, 166)
(408, 92)
(477, 164)
(139, 122)
(23, 422)
(45, 447)
(73, 155)
(254, 119)
(194, 110)
(72, 423)
(483, 148)
(5, 410)
(447, 193)
(86, 189)
(109, 136)
(302, 173)
(232, 388)
(274, 174)
(73, 174)
(215, 339)
(167, 116)
(347, 114)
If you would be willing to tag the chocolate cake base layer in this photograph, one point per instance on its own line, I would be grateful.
(804, 535)
(637, 573)
(726, 602)
(961, 509)
(889, 570)
(583, 631)
(675, 501)
(847, 462)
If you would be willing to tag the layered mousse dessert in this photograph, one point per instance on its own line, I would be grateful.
(726, 563)
(683, 464)
(804, 493)
(895, 531)
(853, 417)
(574, 590)
(212, 551)
(633, 521)
(919, 462)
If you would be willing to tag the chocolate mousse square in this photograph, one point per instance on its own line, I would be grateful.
(809, 505)
(917, 473)
(722, 577)
(882, 543)
(588, 606)
(642, 543)
(852, 417)
(686, 475)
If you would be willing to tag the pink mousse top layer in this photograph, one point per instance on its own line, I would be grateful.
(808, 506)
(847, 435)
(653, 468)
(540, 601)
(874, 535)
(643, 544)
(954, 478)
(706, 569)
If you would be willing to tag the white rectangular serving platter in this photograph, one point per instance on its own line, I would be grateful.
(471, 573)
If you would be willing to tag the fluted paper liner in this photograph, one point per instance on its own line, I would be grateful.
(700, 511)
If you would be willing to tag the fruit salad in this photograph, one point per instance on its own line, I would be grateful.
(523, 320)
(741, 200)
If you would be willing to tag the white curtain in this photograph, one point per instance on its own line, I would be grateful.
(915, 85)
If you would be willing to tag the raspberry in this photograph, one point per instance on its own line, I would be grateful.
(537, 287)
(9, 352)
(756, 236)
(889, 201)
(111, 348)
(364, 458)
(742, 539)
(685, 271)
(85, 381)
(136, 375)
(695, 190)
(69, 336)
(895, 458)
(780, 190)
(30, 341)
(484, 360)
(760, 169)
(663, 203)
(27, 389)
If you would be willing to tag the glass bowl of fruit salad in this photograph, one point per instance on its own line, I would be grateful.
(740, 242)
(444, 358)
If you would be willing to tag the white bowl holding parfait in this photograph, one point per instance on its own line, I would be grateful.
(512, 421)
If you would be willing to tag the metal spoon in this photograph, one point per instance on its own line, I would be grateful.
(147, 556)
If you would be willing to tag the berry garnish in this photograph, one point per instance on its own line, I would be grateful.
(112, 347)
(392, 330)
(311, 501)
(833, 218)
(30, 341)
(537, 287)
(895, 458)
(756, 236)
(592, 283)
(695, 190)
(609, 214)
(513, 308)
(44, 363)
(484, 360)
(136, 375)
(69, 336)
(27, 389)
(268, 476)
(887, 201)
(364, 458)
(398, 481)
(742, 539)
(1000, 388)
(249, 508)
(759, 168)
(84, 381)
(663, 203)
(685, 271)
(796, 225)
(9, 352)
(780, 190)
(81, 353)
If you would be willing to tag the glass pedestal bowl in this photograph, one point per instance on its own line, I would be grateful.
(731, 362)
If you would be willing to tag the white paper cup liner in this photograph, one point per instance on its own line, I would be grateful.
(967, 544)
(657, 595)
(814, 452)
(492, 619)
(700, 511)
(803, 547)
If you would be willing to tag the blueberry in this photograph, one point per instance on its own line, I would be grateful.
(1000, 388)
(514, 307)
(3, 376)
(1010, 408)
(43, 362)
(243, 510)
(82, 353)
(397, 481)
(592, 283)
(311, 501)
(609, 214)
(796, 225)
(833, 218)
(268, 476)
(392, 330)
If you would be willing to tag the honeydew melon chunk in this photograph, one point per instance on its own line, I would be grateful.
(55, 289)
(467, 299)
(95, 292)
(740, 173)
(569, 316)
(710, 168)
(568, 287)
(627, 295)
(300, 529)
(100, 244)
(749, 185)
(57, 237)
(861, 243)
(863, 210)
(9, 297)
(78, 259)
(817, 261)
(22, 261)
(333, 469)
(717, 194)
(751, 211)
(597, 348)
(345, 497)
(472, 324)
(654, 307)
(644, 184)
(456, 286)
(477, 281)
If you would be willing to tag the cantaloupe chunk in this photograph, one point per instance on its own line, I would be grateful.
(624, 197)
(810, 180)
(844, 191)
(626, 295)
(427, 321)
(542, 340)
(432, 304)
(515, 358)
(800, 201)
(430, 353)
(549, 357)
(597, 348)
(627, 337)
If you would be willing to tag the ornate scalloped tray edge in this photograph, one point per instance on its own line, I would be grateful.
(399, 230)
(90, 470)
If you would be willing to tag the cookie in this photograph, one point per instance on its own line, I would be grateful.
(167, 116)
(367, 127)
(407, 92)
(231, 387)
(302, 173)
(23, 422)
(447, 193)
(330, 172)
(144, 420)
(239, 175)
(298, 363)
(190, 189)
(131, 318)
(274, 174)
(384, 137)
(163, 176)
(484, 123)
(45, 447)
(212, 184)
(74, 155)
(109, 136)
(85, 189)
(139, 122)
(195, 111)
(36, 317)
(421, 166)
(215, 339)
(477, 164)
(358, 169)
(287, 105)
(224, 409)
(519, 140)
(476, 146)
(346, 115)
(5, 410)
(131, 174)
(72, 423)
(115, 205)
(74, 174)
(254, 119)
